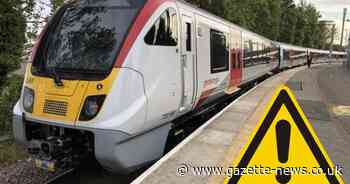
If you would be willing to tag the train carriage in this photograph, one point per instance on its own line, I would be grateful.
(292, 56)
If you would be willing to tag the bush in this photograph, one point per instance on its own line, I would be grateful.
(9, 95)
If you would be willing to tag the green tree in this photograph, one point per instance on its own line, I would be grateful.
(312, 28)
(240, 13)
(300, 26)
(15, 16)
(288, 21)
(12, 36)
(267, 17)
(214, 6)
(308, 31)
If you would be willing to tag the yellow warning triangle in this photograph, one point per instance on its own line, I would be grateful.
(284, 148)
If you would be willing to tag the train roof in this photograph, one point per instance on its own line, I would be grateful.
(339, 53)
(289, 46)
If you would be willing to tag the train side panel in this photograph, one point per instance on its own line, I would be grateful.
(261, 56)
(213, 64)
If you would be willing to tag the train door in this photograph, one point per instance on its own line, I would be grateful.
(281, 60)
(188, 60)
(236, 61)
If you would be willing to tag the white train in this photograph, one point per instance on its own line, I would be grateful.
(109, 77)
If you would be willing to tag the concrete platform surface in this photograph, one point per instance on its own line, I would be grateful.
(325, 88)
(220, 140)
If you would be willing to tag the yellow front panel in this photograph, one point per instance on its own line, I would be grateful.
(64, 104)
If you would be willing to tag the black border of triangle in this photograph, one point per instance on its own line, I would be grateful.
(284, 99)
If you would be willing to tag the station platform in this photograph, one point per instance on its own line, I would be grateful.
(323, 93)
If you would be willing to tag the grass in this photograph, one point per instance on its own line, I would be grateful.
(11, 153)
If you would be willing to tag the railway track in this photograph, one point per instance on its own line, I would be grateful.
(92, 176)
(56, 177)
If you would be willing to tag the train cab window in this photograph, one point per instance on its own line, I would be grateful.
(219, 53)
(164, 31)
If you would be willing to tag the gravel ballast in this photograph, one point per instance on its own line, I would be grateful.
(22, 172)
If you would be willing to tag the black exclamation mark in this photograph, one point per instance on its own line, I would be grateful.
(283, 141)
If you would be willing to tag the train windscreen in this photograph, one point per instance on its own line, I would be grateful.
(84, 37)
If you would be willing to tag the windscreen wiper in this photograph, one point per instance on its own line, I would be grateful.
(56, 77)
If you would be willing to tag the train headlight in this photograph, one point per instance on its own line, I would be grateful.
(91, 107)
(28, 100)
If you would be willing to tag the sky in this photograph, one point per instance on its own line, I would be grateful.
(333, 10)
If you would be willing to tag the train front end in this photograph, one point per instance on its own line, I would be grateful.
(75, 102)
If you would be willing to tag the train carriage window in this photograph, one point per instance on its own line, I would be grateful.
(188, 37)
(164, 32)
(251, 48)
(264, 50)
(257, 49)
(246, 47)
(219, 52)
